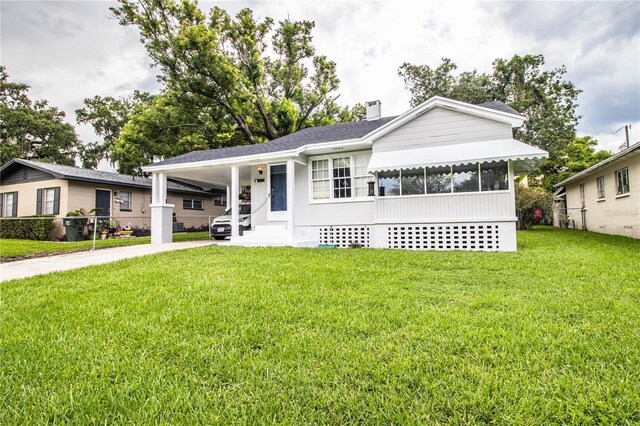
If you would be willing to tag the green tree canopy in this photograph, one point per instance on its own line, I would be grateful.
(33, 129)
(543, 96)
(107, 115)
(264, 79)
(168, 127)
(578, 155)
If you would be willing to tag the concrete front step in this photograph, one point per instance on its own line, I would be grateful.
(272, 243)
(272, 235)
(268, 230)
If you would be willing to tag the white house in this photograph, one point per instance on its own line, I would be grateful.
(603, 198)
(439, 176)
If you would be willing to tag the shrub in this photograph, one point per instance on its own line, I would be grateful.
(533, 206)
(27, 227)
(200, 228)
(137, 231)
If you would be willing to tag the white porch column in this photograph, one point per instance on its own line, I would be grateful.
(228, 204)
(161, 212)
(290, 193)
(235, 194)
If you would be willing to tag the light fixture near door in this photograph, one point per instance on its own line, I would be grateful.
(260, 170)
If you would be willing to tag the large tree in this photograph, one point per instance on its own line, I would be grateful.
(578, 155)
(544, 96)
(107, 115)
(264, 79)
(168, 127)
(172, 124)
(33, 129)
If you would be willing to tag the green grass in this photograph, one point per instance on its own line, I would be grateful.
(11, 249)
(228, 335)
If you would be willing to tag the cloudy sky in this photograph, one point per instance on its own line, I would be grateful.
(67, 51)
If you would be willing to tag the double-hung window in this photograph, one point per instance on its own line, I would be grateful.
(361, 175)
(622, 181)
(9, 204)
(125, 201)
(600, 185)
(192, 204)
(320, 181)
(48, 201)
(340, 177)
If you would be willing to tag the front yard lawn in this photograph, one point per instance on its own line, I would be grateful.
(228, 335)
(17, 249)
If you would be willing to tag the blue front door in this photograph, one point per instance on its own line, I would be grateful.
(278, 177)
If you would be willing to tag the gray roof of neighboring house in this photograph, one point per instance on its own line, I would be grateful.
(500, 106)
(89, 175)
(205, 186)
(626, 151)
(308, 136)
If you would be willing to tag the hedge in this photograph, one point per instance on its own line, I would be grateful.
(27, 227)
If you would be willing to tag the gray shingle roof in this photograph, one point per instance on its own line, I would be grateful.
(500, 106)
(88, 175)
(308, 136)
(205, 186)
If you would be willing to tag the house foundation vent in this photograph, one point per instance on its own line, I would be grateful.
(444, 237)
(345, 236)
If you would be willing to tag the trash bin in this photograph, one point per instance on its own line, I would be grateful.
(74, 228)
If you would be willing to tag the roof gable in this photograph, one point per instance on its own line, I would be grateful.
(441, 126)
(488, 112)
(15, 172)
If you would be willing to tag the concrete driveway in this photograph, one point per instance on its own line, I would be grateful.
(64, 262)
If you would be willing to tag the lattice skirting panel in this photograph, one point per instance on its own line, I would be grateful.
(445, 237)
(345, 236)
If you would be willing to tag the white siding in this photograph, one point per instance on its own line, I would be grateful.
(259, 192)
(470, 206)
(330, 214)
(449, 207)
(475, 221)
(441, 126)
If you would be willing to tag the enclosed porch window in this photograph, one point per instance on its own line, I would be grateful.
(477, 177)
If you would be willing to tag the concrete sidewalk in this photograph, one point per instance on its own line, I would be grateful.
(65, 262)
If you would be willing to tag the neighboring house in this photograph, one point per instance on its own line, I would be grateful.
(32, 188)
(603, 198)
(440, 176)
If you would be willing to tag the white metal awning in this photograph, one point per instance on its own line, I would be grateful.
(525, 157)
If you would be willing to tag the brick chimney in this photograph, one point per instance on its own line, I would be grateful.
(374, 110)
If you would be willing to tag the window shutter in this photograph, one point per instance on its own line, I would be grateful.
(39, 202)
(56, 200)
(1, 200)
(14, 213)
